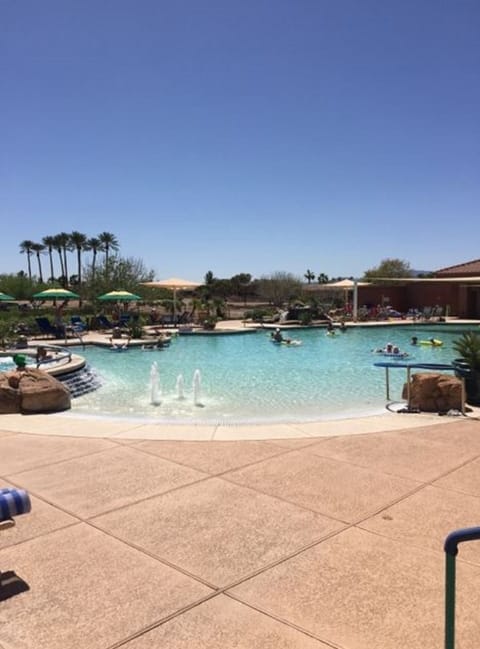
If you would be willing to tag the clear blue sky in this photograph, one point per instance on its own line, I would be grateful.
(243, 135)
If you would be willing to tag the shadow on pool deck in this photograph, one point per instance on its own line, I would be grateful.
(304, 543)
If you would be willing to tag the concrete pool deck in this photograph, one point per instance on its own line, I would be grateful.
(311, 536)
(298, 543)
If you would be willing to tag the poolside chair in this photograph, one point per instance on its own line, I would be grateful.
(426, 313)
(78, 324)
(167, 320)
(48, 329)
(104, 322)
(13, 502)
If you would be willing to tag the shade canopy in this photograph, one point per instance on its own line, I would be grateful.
(56, 294)
(345, 284)
(6, 298)
(119, 296)
(173, 283)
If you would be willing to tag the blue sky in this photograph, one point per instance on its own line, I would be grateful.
(243, 135)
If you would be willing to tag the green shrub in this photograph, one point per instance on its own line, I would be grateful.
(468, 346)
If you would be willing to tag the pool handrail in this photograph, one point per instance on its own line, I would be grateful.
(418, 366)
(63, 354)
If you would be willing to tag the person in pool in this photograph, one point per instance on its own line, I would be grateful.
(414, 340)
(42, 355)
(277, 335)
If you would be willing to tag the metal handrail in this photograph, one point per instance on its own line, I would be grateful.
(417, 366)
(451, 548)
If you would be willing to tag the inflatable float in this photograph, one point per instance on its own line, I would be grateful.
(433, 342)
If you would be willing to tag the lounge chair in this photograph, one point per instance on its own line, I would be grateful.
(104, 322)
(48, 329)
(78, 324)
(167, 321)
(13, 502)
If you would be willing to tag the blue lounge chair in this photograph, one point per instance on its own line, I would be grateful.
(124, 320)
(13, 502)
(104, 322)
(48, 329)
(78, 324)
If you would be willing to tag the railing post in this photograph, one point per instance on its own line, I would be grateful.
(451, 550)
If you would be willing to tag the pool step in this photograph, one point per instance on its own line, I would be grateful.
(82, 381)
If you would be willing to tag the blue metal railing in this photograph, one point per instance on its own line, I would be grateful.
(451, 550)
(417, 366)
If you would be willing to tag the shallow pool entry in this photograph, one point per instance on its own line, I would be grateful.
(247, 379)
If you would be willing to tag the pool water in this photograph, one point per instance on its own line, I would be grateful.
(247, 378)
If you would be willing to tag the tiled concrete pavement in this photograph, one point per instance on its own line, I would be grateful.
(289, 543)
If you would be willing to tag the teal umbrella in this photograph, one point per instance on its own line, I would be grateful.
(6, 298)
(56, 294)
(119, 296)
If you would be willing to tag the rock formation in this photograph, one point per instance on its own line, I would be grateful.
(31, 390)
(430, 392)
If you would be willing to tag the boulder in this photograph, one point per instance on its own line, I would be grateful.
(31, 390)
(430, 392)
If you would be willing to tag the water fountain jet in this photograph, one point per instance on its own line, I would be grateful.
(180, 386)
(154, 385)
(197, 380)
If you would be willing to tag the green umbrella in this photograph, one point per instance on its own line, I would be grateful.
(56, 294)
(119, 296)
(6, 298)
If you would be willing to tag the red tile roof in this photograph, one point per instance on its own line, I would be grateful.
(471, 268)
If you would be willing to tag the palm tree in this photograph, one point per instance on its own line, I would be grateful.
(322, 278)
(26, 247)
(48, 242)
(63, 240)
(57, 244)
(79, 242)
(62, 244)
(94, 244)
(38, 248)
(309, 276)
(108, 242)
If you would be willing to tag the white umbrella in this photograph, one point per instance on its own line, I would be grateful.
(175, 284)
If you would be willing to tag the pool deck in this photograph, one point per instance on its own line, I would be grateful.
(308, 536)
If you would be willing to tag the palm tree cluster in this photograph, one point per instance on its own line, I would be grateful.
(310, 276)
(63, 243)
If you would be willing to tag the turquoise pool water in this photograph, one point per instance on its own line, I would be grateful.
(247, 378)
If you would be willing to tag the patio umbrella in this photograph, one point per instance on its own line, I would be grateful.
(119, 296)
(6, 298)
(56, 294)
(174, 284)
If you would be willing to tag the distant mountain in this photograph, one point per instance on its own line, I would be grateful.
(417, 273)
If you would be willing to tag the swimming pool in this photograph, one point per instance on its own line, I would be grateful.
(248, 379)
